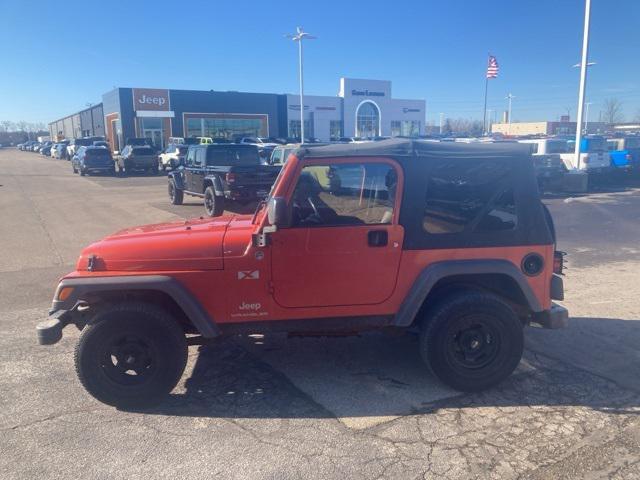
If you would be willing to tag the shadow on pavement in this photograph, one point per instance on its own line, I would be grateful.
(377, 376)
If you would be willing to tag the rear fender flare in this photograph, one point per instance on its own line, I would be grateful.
(190, 305)
(216, 183)
(428, 278)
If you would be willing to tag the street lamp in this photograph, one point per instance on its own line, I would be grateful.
(298, 37)
(586, 117)
(509, 97)
(583, 78)
(489, 122)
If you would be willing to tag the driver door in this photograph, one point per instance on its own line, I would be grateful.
(344, 245)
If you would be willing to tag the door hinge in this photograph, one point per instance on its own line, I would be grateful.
(271, 287)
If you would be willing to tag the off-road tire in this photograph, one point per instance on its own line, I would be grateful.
(176, 195)
(449, 330)
(82, 172)
(213, 204)
(118, 327)
(74, 168)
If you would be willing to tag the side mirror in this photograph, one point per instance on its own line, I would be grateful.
(277, 212)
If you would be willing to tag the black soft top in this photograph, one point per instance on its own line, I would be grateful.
(402, 148)
(419, 158)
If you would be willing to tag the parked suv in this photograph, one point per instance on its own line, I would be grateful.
(93, 159)
(594, 156)
(448, 239)
(222, 173)
(137, 158)
(76, 143)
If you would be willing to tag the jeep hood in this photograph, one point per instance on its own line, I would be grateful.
(178, 246)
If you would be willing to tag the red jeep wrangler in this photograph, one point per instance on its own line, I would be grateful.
(449, 239)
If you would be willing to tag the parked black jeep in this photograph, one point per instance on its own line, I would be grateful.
(221, 173)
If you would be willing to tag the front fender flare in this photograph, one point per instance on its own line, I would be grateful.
(428, 278)
(178, 178)
(190, 305)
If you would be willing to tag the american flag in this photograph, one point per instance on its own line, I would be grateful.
(492, 67)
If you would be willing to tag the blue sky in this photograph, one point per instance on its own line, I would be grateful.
(57, 56)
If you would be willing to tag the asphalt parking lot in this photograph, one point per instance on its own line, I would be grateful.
(358, 407)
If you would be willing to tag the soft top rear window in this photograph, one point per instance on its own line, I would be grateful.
(232, 155)
(143, 150)
(98, 151)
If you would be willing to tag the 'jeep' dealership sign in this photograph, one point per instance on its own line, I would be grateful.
(150, 99)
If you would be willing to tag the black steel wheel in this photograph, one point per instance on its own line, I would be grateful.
(213, 204)
(472, 341)
(131, 355)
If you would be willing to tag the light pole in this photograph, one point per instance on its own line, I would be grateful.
(509, 97)
(586, 117)
(583, 78)
(441, 121)
(93, 130)
(298, 37)
(489, 122)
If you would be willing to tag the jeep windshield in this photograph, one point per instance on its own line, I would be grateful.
(232, 155)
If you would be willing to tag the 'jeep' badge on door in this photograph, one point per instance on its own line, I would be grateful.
(249, 275)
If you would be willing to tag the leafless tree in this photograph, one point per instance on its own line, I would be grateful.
(637, 117)
(612, 111)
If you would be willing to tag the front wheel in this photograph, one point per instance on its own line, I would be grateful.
(472, 341)
(213, 204)
(176, 196)
(131, 355)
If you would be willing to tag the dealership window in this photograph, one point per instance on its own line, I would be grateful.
(230, 127)
(396, 128)
(367, 120)
(345, 194)
(469, 196)
(410, 128)
(335, 129)
(294, 128)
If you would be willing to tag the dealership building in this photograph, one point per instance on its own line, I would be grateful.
(362, 108)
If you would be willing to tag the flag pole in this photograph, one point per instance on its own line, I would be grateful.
(486, 88)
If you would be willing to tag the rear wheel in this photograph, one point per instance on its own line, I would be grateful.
(132, 355)
(472, 341)
(176, 195)
(213, 204)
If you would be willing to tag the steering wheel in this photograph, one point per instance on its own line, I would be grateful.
(315, 217)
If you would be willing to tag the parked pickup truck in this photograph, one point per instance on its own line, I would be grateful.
(624, 153)
(449, 240)
(220, 173)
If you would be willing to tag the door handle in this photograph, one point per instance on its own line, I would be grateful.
(378, 238)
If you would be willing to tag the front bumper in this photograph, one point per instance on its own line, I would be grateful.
(556, 317)
(50, 331)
